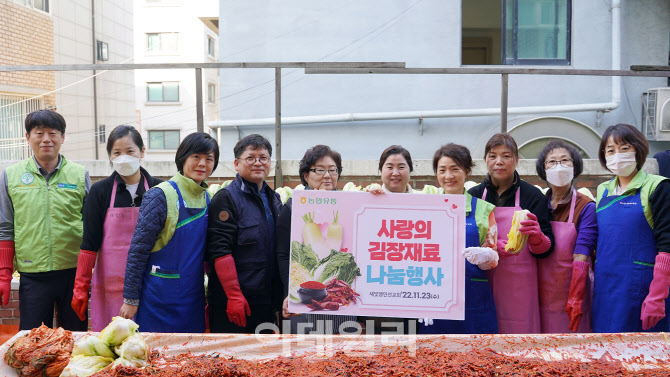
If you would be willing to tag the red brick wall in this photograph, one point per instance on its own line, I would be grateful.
(27, 37)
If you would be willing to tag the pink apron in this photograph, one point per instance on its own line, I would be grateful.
(110, 268)
(514, 282)
(555, 274)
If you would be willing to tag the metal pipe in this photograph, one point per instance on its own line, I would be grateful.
(200, 120)
(96, 130)
(503, 102)
(279, 175)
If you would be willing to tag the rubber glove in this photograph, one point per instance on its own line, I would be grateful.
(426, 321)
(501, 249)
(580, 271)
(538, 243)
(82, 282)
(653, 307)
(6, 270)
(483, 257)
(238, 308)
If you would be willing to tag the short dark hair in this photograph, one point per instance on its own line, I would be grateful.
(313, 155)
(197, 142)
(122, 131)
(625, 134)
(501, 139)
(396, 149)
(577, 163)
(45, 118)
(255, 141)
(458, 153)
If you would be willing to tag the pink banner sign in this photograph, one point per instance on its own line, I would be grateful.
(388, 255)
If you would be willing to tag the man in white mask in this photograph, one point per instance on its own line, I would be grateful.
(563, 276)
(110, 214)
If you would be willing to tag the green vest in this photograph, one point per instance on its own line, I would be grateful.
(47, 217)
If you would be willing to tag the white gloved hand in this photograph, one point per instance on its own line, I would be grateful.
(482, 257)
(426, 321)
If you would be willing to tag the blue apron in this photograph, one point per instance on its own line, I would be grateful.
(480, 311)
(173, 296)
(624, 265)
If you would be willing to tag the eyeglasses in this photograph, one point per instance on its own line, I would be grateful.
(566, 163)
(252, 160)
(319, 171)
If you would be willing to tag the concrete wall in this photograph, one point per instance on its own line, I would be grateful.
(74, 44)
(422, 34)
(180, 17)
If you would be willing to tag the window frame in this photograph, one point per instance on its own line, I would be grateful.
(102, 134)
(102, 51)
(161, 49)
(514, 60)
(211, 96)
(149, 101)
(211, 42)
(163, 132)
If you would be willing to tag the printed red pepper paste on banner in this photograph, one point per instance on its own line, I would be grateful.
(339, 294)
(400, 363)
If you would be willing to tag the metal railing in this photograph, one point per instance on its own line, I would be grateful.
(345, 68)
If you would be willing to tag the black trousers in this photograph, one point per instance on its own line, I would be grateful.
(219, 323)
(40, 293)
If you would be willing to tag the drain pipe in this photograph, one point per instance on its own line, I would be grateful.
(353, 117)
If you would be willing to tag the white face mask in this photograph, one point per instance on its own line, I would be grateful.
(622, 164)
(560, 175)
(126, 165)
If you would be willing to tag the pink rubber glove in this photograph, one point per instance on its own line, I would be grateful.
(653, 307)
(501, 249)
(6, 270)
(580, 270)
(238, 308)
(538, 243)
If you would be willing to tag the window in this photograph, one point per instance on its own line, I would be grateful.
(163, 139)
(163, 91)
(42, 5)
(211, 93)
(102, 136)
(211, 47)
(162, 42)
(516, 32)
(103, 51)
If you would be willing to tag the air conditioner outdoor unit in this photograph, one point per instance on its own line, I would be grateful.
(656, 114)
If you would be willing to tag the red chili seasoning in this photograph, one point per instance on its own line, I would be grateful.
(312, 285)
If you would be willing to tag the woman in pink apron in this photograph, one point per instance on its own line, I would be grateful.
(110, 214)
(514, 282)
(565, 276)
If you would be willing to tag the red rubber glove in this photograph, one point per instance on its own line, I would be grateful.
(580, 271)
(82, 282)
(6, 270)
(238, 307)
(538, 243)
(502, 253)
(653, 307)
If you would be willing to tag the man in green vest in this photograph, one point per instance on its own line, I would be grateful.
(41, 200)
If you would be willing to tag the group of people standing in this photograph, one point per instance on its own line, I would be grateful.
(145, 246)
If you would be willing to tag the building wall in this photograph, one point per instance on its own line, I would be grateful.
(182, 17)
(26, 37)
(74, 44)
(422, 34)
